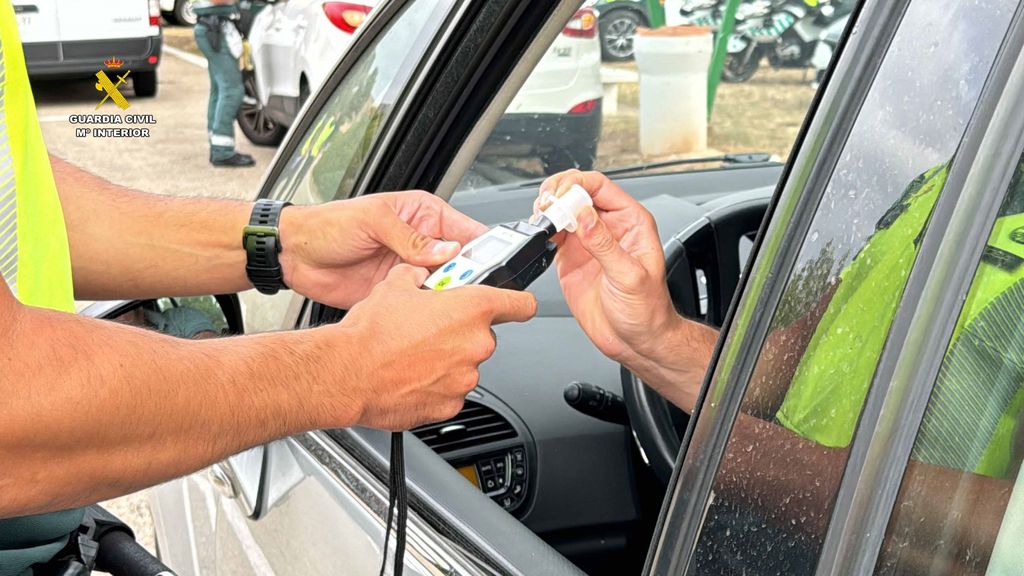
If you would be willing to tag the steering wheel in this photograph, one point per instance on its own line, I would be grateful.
(703, 266)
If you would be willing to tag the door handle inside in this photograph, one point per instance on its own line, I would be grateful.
(223, 480)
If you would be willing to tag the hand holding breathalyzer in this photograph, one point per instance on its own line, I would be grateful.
(612, 269)
(431, 343)
(612, 272)
(514, 254)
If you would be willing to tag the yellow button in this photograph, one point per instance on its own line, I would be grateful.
(442, 283)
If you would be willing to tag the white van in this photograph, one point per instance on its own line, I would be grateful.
(72, 38)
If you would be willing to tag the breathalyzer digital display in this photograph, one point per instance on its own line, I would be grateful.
(514, 254)
(489, 248)
(506, 256)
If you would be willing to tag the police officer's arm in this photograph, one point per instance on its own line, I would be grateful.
(92, 409)
(126, 244)
(797, 479)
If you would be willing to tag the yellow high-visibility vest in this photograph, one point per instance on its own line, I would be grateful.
(34, 258)
(34, 261)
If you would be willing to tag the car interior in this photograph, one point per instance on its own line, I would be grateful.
(572, 445)
(589, 477)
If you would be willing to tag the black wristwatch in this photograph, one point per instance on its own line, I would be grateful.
(262, 242)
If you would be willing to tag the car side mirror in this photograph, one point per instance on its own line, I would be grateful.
(239, 476)
(186, 317)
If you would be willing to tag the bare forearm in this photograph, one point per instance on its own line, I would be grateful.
(792, 482)
(100, 409)
(796, 492)
(127, 244)
(676, 363)
(968, 535)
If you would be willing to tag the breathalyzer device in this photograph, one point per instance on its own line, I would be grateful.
(514, 254)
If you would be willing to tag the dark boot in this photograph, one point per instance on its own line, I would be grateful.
(236, 161)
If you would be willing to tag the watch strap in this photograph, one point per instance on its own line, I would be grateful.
(262, 242)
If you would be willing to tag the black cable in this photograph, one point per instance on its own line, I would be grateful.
(398, 505)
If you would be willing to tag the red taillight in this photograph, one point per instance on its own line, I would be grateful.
(154, 20)
(154, 12)
(582, 25)
(347, 16)
(584, 107)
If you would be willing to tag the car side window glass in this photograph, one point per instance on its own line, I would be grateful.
(960, 508)
(776, 484)
(333, 151)
(603, 98)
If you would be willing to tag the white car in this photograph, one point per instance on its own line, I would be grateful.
(72, 38)
(557, 112)
(296, 43)
(178, 11)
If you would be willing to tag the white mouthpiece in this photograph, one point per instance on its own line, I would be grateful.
(562, 212)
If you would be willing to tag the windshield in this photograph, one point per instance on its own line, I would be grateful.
(619, 93)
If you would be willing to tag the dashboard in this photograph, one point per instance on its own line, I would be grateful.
(569, 477)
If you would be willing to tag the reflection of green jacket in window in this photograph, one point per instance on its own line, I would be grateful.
(979, 393)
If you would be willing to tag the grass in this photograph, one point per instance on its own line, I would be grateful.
(763, 114)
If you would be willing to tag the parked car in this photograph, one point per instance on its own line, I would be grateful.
(618, 21)
(178, 12)
(289, 40)
(923, 102)
(72, 39)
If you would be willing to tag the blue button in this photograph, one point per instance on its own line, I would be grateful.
(449, 267)
(466, 274)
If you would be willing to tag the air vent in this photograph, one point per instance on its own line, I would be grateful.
(475, 425)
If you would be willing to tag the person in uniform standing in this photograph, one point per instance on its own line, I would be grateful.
(216, 35)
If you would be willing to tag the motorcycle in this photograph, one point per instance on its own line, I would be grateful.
(701, 13)
(787, 36)
(749, 15)
(828, 42)
(743, 52)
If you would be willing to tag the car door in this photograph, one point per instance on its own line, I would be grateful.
(814, 465)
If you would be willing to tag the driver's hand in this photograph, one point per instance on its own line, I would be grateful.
(612, 271)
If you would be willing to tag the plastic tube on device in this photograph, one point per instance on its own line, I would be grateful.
(563, 209)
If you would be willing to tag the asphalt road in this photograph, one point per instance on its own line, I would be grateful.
(172, 161)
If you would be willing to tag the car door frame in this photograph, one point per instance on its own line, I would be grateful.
(923, 324)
